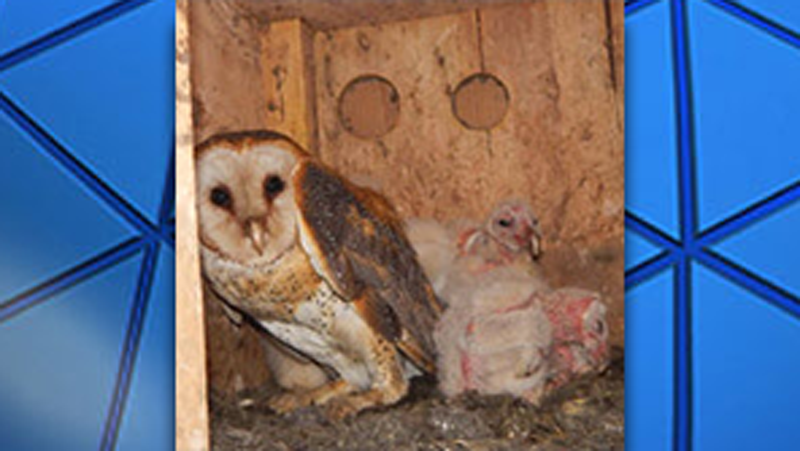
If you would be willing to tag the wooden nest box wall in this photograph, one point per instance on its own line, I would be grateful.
(449, 108)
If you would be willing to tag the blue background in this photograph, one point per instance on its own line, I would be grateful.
(87, 224)
(713, 257)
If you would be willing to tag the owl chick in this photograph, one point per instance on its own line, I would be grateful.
(580, 334)
(494, 337)
(510, 236)
(322, 264)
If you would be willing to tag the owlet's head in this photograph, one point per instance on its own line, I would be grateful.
(514, 225)
(245, 195)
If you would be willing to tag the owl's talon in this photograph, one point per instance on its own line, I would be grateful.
(288, 402)
(340, 408)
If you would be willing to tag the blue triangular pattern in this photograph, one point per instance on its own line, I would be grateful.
(785, 12)
(764, 248)
(650, 148)
(637, 249)
(96, 95)
(747, 128)
(149, 421)
(22, 21)
(649, 364)
(49, 223)
(59, 364)
(746, 365)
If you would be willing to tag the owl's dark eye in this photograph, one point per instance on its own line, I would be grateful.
(505, 222)
(599, 327)
(273, 186)
(221, 197)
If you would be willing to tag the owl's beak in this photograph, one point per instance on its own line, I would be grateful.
(536, 241)
(255, 231)
(536, 246)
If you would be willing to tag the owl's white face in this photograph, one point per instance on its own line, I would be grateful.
(246, 204)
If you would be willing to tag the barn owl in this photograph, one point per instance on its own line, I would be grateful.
(495, 336)
(291, 370)
(510, 236)
(580, 334)
(322, 264)
(435, 244)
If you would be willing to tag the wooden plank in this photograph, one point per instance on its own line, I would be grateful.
(615, 23)
(336, 14)
(286, 61)
(191, 406)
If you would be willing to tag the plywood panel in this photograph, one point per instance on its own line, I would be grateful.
(286, 62)
(424, 60)
(226, 69)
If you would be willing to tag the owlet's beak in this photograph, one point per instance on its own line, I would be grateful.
(536, 246)
(255, 232)
(536, 242)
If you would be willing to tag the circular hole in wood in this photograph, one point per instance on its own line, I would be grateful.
(480, 101)
(369, 107)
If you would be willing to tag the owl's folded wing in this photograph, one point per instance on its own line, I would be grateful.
(357, 243)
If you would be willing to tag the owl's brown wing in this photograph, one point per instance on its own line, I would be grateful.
(357, 243)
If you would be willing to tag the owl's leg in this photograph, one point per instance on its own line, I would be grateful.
(292, 371)
(341, 398)
(388, 386)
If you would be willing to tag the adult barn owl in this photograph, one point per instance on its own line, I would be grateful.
(435, 244)
(322, 264)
